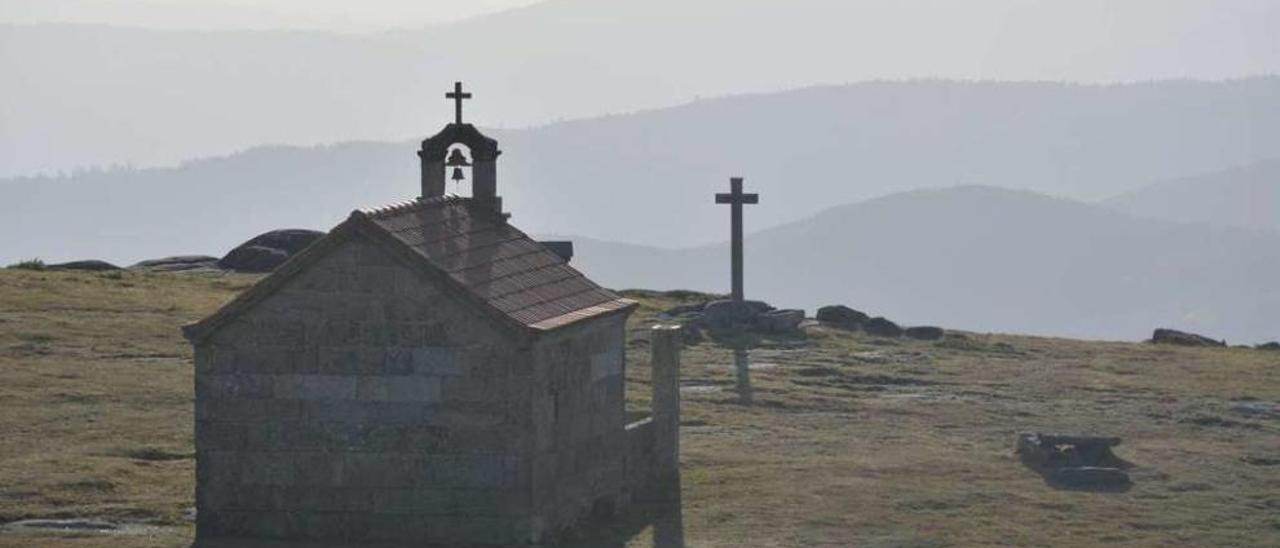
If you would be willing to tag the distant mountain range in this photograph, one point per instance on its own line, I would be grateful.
(640, 187)
(989, 259)
(1246, 197)
(648, 178)
(89, 95)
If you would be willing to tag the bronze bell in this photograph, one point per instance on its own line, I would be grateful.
(457, 175)
(456, 158)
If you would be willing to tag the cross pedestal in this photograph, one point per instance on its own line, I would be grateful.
(735, 198)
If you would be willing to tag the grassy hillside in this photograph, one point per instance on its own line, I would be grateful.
(844, 440)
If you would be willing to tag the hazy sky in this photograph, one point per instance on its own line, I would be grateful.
(89, 95)
(340, 15)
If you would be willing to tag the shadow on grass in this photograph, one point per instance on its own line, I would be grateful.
(661, 511)
(1070, 470)
(742, 340)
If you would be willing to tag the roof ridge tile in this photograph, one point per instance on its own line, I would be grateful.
(409, 205)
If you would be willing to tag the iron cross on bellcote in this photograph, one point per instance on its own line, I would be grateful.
(458, 96)
(735, 198)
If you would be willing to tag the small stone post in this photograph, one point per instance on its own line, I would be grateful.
(742, 364)
(665, 343)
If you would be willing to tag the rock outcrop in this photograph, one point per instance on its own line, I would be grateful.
(267, 251)
(684, 310)
(882, 327)
(1180, 338)
(1073, 461)
(925, 333)
(727, 313)
(780, 321)
(842, 316)
(179, 263)
(91, 265)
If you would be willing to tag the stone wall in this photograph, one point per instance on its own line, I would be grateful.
(640, 469)
(579, 417)
(653, 444)
(358, 403)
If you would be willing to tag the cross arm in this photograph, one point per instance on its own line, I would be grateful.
(723, 198)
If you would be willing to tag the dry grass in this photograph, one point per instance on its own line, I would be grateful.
(846, 440)
(95, 400)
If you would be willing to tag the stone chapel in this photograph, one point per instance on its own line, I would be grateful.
(425, 374)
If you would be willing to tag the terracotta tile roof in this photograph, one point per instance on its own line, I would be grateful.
(485, 260)
(495, 262)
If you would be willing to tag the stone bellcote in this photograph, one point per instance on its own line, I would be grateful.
(434, 156)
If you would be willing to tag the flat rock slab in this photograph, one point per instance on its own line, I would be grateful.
(1258, 409)
(89, 265)
(1181, 338)
(1062, 438)
(1048, 451)
(180, 263)
(698, 388)
(63, 524)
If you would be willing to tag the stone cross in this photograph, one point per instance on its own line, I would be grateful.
(457, 95)
(735, 198)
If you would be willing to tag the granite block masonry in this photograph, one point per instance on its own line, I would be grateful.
(423, 375)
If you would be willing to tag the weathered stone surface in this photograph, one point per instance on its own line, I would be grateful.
(684, 309)
(179, 263)
(841, 316)
(265, 252)
(882, 327)
(359, 403)
(92, 265)
(63, 524)
(780, 321)
(1049, 450)
(253, 258)
(1171, 336)
(666, 399)
(691, 332)
(1266, 409)
(728, 313)
(925, 333)
(583, 455)
(330, 397)
(1077, 439)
